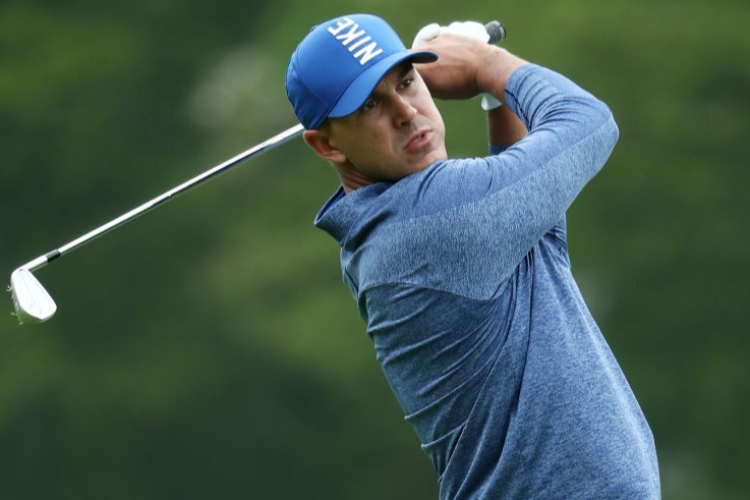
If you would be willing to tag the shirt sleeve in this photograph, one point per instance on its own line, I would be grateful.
(496, 150)
(483, 216)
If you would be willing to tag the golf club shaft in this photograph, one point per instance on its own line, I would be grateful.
(271, 143)
(497, 33)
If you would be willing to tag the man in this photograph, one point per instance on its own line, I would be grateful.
(460, 267)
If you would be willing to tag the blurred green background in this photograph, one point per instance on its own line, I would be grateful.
(211, 350)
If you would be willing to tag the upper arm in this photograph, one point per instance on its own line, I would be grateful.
(473, 221)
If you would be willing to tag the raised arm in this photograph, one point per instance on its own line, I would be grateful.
(514, 199)
(504, 127)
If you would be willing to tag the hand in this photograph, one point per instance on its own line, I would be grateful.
(470, 29)
(455, 74)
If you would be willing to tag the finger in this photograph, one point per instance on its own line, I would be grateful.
(476, 30)
(471, 29)
(426, 34)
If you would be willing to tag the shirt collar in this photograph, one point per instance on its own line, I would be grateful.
(342, 210)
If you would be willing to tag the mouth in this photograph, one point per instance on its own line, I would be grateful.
(418, 141)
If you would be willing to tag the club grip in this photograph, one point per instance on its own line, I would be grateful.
(496, 30)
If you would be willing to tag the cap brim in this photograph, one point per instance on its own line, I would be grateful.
(362, 86)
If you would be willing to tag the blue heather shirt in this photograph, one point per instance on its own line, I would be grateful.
(462, 274)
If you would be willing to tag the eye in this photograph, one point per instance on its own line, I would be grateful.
(407, 82)
(368, 105)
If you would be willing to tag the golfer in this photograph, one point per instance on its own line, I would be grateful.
(460, 267)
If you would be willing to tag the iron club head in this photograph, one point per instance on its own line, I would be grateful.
(33, 303)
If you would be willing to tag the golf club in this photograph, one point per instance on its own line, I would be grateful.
(32, 302)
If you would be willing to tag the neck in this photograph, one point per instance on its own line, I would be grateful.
(351, 178)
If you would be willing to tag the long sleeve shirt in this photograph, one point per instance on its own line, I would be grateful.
(462, 274)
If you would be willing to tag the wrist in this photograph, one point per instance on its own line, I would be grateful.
(497, 67)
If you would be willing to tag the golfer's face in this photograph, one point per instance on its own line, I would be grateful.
(396, 132)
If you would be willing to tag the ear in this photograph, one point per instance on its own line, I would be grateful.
(322, 144)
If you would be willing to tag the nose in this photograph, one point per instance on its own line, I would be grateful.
(403, 112)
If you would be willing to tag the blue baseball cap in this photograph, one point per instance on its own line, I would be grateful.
(339, 63)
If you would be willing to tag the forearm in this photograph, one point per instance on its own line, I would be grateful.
(496, 66)
(504, 127)
(523, 193)
(468, 67)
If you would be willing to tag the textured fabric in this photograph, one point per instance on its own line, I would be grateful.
(462, 275)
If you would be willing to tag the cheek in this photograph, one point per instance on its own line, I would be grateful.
(433, 113)
(368, 149)
(375, 141)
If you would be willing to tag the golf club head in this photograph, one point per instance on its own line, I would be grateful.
(33, 303)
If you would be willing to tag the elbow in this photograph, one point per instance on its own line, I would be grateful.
(593, 119)
(602, 135)
(608, 131)
(613, 129)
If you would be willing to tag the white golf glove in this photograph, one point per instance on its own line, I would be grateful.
(471, 29)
